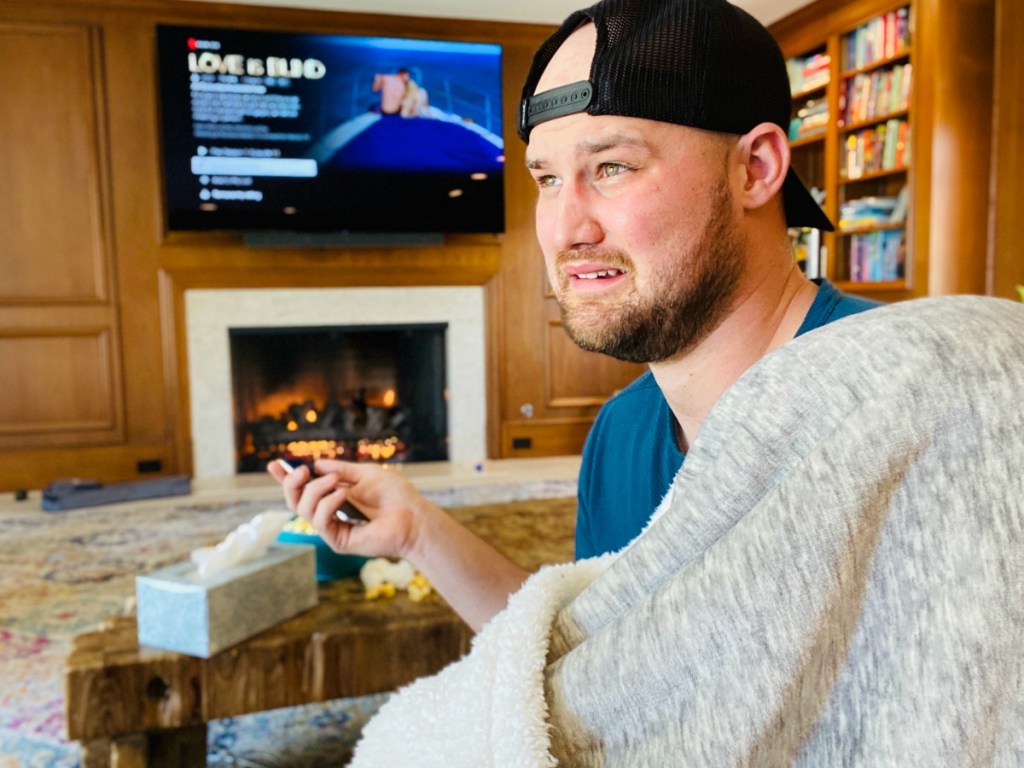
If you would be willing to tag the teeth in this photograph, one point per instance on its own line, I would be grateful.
(595, 275)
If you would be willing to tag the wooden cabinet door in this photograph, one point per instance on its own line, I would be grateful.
(59, 346)
(552, 388)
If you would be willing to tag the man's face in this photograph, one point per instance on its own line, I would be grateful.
(636, 222)
(638, 230)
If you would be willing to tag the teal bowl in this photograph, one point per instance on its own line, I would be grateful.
(330, 566)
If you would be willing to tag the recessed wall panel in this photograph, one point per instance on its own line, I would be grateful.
(51, 223)
(57, 386)
(578, 378)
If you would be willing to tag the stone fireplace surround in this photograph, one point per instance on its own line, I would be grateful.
(210, 313)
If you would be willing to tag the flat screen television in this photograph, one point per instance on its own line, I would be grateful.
(328, 133)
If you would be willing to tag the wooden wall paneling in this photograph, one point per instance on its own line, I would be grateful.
(522, 357)
(175, 359)
(919, 231)
(135, 169)
(494, 341)
(60, 346)
(1006, 261)
(550, 436)
(219, 261)
(52, 212)
(523, 352)
(27, 468)
(576, 378)
(956, 44)
(59, 387)
(831, 156)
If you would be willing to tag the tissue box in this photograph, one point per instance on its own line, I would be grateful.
(178, 611)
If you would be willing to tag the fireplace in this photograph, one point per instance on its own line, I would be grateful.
(212, 314)
(359, 393)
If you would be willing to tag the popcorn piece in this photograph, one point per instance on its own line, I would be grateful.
(380, 570)
(372, 574)
(401, 574)
(419, 588)
(382, 577)
(381, 590)
(300, 525)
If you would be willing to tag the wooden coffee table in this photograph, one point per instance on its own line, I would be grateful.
(133, 707)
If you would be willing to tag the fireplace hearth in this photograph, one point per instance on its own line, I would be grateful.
(212, 313)
(359, 393)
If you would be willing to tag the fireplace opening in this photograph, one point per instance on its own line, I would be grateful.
(359, 393)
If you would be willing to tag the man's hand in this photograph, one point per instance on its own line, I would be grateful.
(472, 576)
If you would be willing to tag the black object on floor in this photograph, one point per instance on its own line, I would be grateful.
(72, 494)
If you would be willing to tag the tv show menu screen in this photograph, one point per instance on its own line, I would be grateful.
(316, 132)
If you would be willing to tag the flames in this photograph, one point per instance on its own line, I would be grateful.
(368, 426)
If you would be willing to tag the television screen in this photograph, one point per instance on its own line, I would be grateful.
(329, 133)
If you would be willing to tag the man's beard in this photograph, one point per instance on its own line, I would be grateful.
(691, 299)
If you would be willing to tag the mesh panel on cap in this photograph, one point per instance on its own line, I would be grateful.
(747, 78)
(651, 61)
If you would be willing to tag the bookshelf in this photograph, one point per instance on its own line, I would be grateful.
(810, 76)
(875, 153)
(878, 143)
(851, 142)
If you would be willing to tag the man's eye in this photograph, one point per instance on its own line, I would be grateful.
(547, 181)
(613, 169)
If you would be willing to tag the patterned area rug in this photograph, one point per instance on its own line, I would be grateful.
(63, 572)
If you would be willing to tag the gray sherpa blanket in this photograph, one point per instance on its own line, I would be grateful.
(835, 578)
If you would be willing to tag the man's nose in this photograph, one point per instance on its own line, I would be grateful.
(576, 222)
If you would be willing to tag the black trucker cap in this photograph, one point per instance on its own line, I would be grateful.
(700, 63)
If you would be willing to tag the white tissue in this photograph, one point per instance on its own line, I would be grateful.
(247, 542)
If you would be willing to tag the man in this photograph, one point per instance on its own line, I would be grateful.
(400, 94)
(695, 270)
(391, 88)
(832, 578)
(665, 239)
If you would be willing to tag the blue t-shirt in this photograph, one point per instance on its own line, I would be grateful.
(630, 456)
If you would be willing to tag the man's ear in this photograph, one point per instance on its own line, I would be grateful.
(764, 154)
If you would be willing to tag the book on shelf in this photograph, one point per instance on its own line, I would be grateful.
(810, 119)
(808, 250)
(899, 212)
(868, 211)
(874, 94)
(903, 145)
(884, 147)
(884, 37)
(808, 72)
(878, 256)
(874, 211)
